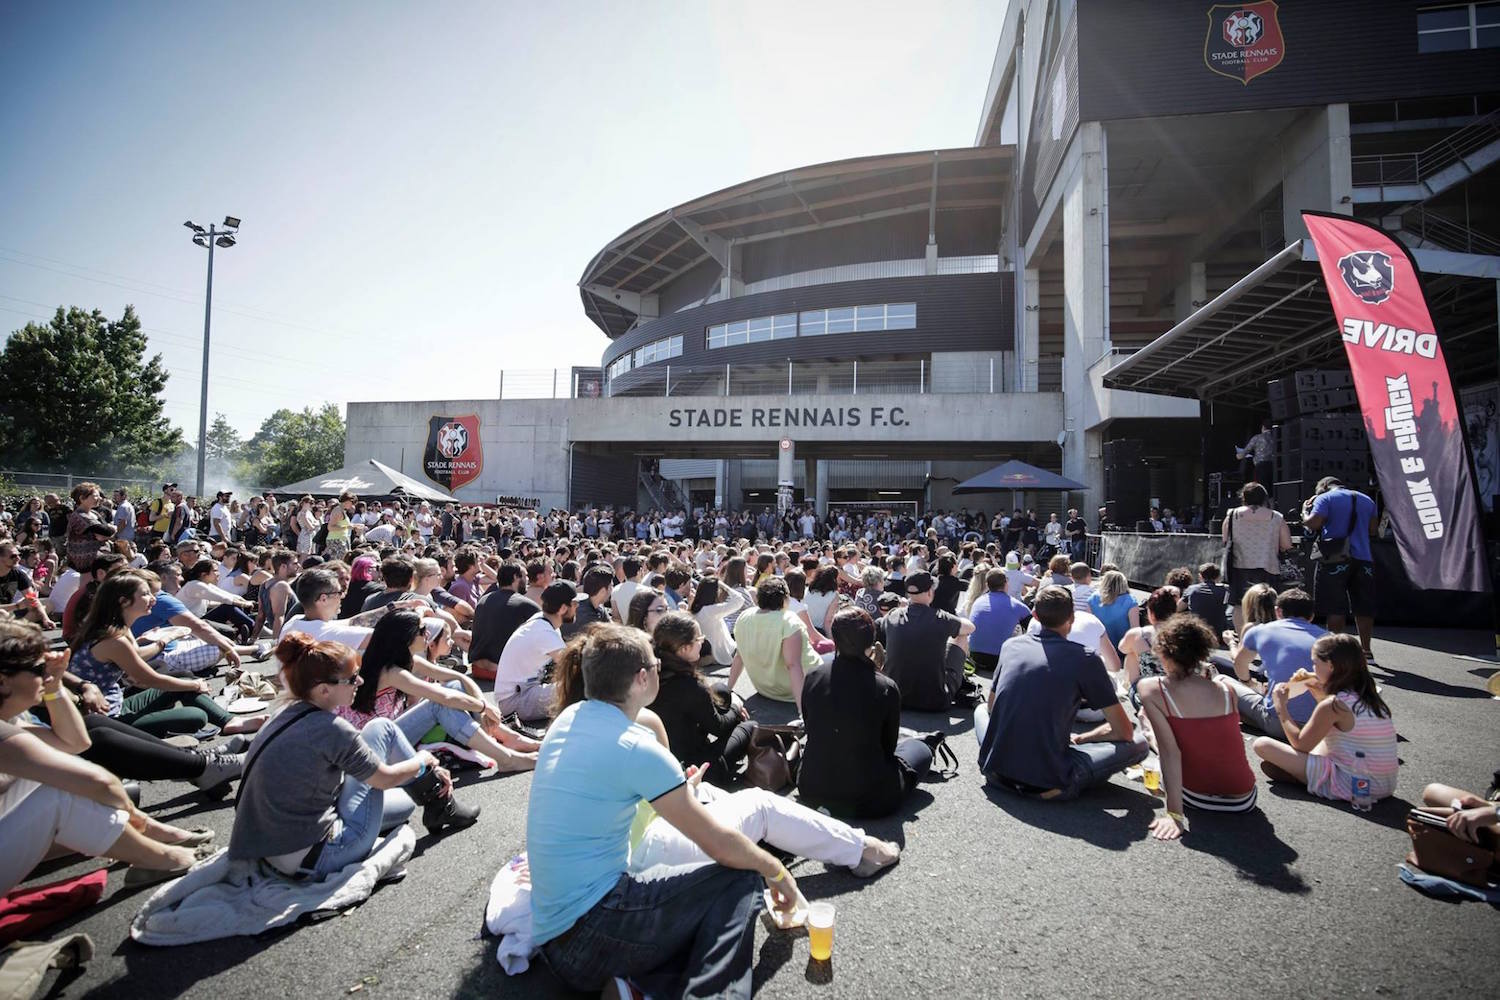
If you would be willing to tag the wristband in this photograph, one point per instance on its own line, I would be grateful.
(51, 695)
(779, 876)
(422, 770)
(1180, 819)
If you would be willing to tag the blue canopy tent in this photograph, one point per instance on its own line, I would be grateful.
(1016, 475)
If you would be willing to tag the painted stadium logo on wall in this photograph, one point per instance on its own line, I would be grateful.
(1369, 275)
(454, 455)
(1244, 40)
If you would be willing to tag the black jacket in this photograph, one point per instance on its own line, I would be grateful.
(853, 717)
(691, 714)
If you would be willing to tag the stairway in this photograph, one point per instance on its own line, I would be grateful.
(1408, 179)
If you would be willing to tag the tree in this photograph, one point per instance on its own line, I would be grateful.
(223, 443)
(293, 445)
(80, 396)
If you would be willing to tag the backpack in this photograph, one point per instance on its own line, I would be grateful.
(320, 540)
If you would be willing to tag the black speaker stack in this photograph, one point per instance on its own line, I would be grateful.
(1127, 482)
(1319, 432)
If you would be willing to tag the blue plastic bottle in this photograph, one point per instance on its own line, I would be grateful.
(1359, 790)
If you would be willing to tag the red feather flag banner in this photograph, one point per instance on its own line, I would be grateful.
(1411, 417)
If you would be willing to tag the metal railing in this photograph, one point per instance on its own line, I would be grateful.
(987, 373)
(550, 383)
(62, 483)
(1447, 233)
(1388, 169)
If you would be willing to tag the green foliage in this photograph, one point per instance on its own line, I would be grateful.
(223, 443)
(293, 445)
(80, 394)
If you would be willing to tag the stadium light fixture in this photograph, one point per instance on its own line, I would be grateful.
(208, 238)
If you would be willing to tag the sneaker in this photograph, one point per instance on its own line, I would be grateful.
(219, 769)
(262, 650)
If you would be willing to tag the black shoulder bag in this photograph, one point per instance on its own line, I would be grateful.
(261, 748)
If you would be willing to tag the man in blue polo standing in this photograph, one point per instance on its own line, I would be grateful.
(1344, 581)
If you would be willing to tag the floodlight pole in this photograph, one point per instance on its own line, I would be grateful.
(208, 298)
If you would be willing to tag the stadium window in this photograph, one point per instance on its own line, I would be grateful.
(901, 316)
(752, 331)
(860, 319)
(784, 326)
(658, 350)
(620, 367)
(1458, 26)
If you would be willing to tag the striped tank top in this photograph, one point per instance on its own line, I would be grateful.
(1369, 749)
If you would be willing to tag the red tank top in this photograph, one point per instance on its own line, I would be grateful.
(1212, 750)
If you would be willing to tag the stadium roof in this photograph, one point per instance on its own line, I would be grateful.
(617, 284)
(1277, 319)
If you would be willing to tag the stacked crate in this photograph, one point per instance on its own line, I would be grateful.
(1319, 432)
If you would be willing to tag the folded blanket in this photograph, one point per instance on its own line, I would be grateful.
(508, 914)
(222, 898)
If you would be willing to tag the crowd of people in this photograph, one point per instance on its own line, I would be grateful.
(604, 651)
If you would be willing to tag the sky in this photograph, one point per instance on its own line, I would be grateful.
(421, 185)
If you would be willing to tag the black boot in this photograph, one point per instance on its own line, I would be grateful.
(439, 810)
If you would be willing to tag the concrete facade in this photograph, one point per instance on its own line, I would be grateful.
(527, 444)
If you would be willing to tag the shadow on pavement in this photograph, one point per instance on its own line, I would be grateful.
(1418, 684)
(1247, 841)
(1088, 817)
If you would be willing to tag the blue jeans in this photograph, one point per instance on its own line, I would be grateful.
(1089, 764)
(678, 931)
(421, 717)
(365, 812)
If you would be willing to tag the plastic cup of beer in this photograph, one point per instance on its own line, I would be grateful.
(820, 930)
(1151, 775)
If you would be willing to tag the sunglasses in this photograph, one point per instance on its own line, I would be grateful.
(38, 669)
(659, 609)
(353, 682)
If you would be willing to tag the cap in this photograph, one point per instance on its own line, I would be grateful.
(919, 583)
(556, 594)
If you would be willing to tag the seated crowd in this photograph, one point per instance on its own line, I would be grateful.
(410, 641)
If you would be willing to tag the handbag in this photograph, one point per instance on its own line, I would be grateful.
(1436, 850)
(1226, 556)
(775, 752)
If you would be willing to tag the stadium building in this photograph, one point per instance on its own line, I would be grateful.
(1102, 285)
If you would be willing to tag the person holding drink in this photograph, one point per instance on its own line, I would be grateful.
(1196, 722)
(675, 931)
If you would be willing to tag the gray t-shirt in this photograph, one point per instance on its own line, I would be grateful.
(288, 802)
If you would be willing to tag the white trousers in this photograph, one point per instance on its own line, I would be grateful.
(33, 817)
(759, 815)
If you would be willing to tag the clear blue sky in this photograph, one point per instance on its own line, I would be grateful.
(421, 184)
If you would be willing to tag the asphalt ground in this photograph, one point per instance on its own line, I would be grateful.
(995, 895)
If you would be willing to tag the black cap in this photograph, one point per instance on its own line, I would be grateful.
(919, 583)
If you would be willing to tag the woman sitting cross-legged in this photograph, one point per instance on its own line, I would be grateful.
(1350, 734)
(702, 721)
(855, 763)
(106, 654)
(317, 793)
(49, 799)
(1196, 721)
(400, 684)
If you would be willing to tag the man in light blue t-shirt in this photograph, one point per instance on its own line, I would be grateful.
(1284, 646)
(676, 931)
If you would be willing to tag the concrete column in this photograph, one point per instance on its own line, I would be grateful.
(786, 459)
(734, 492)
(1192, 293)
(819, 476)
(721, 475)
(1315, 171)
(1085, 303)
(732, 285)
(1029, 331)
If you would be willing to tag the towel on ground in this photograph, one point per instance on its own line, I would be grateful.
(508, 914)
(221, 898)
